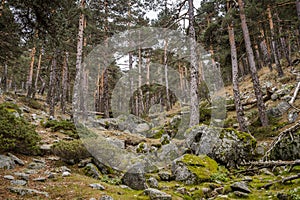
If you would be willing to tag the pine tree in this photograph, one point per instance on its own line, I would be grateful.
(236, 91)
(256, 85)
(194, 107)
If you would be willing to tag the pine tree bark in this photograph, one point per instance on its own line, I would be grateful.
(65, 72)
(283, 43)
(79, 71)
(264, 49)
(4, 78)
(274, 43)
(30, 73)
(236, 91)
(37, 75)
(2, 7)
(194, 107)
(256, 85)
(166, 73)
(52, 82)
(140, 105)
(298, 8)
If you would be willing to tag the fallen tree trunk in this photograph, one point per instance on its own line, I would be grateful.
(290, 178)
(271, 164)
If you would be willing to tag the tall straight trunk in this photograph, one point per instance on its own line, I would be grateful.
(79, 71)
(37, 75)
(1, 7)
(4, 78)
(30, 73)
(140, 105)
(236, 91)
(166, 73)
(65, 72)
(264, 49)
(52, 83)
(298, 8)
(105, 94)
(194, 107)
(258, 57)
(274, 43)
(283, 43)
(257, 89)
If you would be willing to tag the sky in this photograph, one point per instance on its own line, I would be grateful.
(153, 15)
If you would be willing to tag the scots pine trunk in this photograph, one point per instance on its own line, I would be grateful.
(30, 73)
(274, 43)
(37, 75)
(258, 58)
(52, 83)
(236, 91)
(105, 94)
(140, 106)
(264, 49)
(65, 72)
(257, 89)
(166, 73)
(283, 43)
(4, 78)
(194, 107)
(79, 71)
(2, 7)
(298, 8)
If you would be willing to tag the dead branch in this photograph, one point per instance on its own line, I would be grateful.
(290, 178)
(271, 164)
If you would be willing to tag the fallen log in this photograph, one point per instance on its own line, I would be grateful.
(271, 164)
(255, 166)
(290, 178)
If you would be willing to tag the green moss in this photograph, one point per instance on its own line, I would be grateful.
(198, 194)
(70, 150)
(141, 148)
(243, 136)
(16, 134)
(202, 166)
(31, 103)
(227, 189)
(159, 133)
(65, 126)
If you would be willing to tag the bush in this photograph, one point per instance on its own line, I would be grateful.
(70, 151)
(16, 134)
(67, 127)
(31, 103)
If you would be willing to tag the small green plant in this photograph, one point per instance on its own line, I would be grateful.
(65, 126)
(70, 151)
(111, 181)
(16, 134)
(31, 103)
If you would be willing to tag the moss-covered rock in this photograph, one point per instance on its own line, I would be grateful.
(286, 147)
(70, 151)
(192, 169)
(227, 146)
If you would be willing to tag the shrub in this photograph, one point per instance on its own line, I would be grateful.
(67, 127)
(70, 151)
(16, 134)
(31, 103)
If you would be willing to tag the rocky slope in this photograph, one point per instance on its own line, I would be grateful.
(132, 158)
